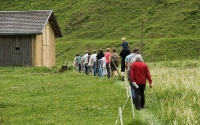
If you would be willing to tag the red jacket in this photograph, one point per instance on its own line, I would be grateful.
(139, 72)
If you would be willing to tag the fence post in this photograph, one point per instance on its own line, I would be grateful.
(120, 112)
(132, 103)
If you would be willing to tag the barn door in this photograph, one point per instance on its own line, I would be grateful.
(22, 51)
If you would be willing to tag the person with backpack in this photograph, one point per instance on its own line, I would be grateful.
(139, 73)
(114, 62)
(123, 53)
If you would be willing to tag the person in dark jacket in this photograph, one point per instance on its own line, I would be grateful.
(100, 55)
(123, 53)
(139, 73)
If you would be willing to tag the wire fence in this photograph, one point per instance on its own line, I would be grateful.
(129, 96)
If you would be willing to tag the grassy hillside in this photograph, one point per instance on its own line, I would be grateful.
(170, 26)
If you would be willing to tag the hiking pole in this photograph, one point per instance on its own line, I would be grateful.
(116, 68)
(127, 87)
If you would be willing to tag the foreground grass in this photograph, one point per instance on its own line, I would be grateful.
(176, 91)
(43, 96)
(35, 96)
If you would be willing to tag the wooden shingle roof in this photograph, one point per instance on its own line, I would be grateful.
(27, 22)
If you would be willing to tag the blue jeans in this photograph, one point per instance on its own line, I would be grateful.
(86, 69)
(132, 91)
(99, 68)
(94, 68)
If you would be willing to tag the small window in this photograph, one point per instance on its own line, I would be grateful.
(16, 49)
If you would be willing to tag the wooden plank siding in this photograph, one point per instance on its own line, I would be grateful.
(44, 48)
(16, 50)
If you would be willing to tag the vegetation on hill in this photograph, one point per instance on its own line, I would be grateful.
(170, 26)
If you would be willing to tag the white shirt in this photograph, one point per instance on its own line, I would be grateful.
(103, 62)
(93, 58)
(85, 59)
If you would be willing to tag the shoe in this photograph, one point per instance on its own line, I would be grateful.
(122, 78)
(138, 109)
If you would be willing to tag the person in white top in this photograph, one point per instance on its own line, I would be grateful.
(92, 62)
(85, 62)
(104, 66)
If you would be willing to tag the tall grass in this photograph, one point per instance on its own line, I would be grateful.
(176, 91)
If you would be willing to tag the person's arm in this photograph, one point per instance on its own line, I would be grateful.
(148, 76)
(132, 75)
(126, 62)
(82, 60)
(109, 58)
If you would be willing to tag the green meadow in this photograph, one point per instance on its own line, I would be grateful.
(171, 48)
(45, 96)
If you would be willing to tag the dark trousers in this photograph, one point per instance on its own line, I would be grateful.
(86, 69)
(108, 69)
(139, 99)
(79, 68)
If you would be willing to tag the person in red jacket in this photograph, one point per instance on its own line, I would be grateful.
(139, 73)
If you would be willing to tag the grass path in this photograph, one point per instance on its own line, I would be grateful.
(144, 116)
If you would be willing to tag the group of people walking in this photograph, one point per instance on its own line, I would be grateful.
(99, 64)
(105, 64)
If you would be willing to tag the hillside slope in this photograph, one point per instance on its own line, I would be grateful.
(167, 23)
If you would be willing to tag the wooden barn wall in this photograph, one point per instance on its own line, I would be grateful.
(44, 48)
(37, 51)
(16, 50)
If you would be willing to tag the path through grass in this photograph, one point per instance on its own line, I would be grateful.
(144, 116)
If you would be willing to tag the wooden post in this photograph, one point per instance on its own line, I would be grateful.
(141, 43)
(120, 112)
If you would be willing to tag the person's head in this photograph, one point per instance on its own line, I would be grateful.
(135, 50)
(101, 51)
(77, 54)
(123, 39)
(108, 50)
(113, 50)
(95, 51)
(138, 57)
(86, 51)
(138, 52)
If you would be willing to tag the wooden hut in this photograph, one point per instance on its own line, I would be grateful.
(27, 38)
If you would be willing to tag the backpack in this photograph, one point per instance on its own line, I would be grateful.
(115, 57)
